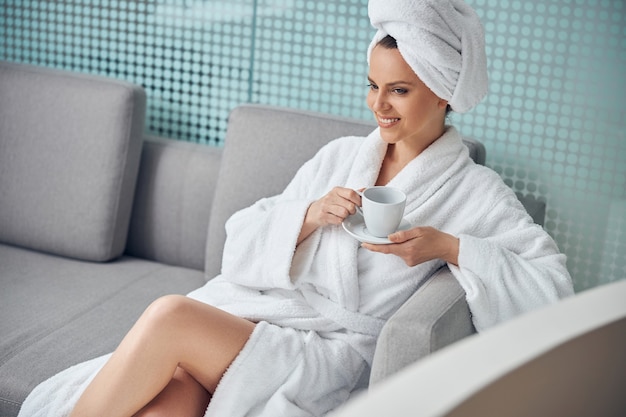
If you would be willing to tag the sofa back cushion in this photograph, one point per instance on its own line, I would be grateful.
(69, 154)
(264, 148)
(173, 200)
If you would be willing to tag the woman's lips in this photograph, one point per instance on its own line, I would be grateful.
(387, 122)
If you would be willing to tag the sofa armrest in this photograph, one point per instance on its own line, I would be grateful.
(434, 317)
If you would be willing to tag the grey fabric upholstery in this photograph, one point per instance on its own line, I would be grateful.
(252, 168)
(173, 202)
(69, 157)
(57, 312)
(434, 317)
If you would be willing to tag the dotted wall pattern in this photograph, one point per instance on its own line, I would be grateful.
(553, 122)
(193, 58)
(311, 55)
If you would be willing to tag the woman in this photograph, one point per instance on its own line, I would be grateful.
(300, 301)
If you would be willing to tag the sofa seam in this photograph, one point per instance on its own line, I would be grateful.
(438, 323)
(10, 402)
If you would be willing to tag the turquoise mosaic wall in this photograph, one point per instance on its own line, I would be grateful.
(553, 122)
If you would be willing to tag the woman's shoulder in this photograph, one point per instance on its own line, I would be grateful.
(497, 198)
(486, 182)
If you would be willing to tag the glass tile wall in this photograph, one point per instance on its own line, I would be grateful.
(553, 122)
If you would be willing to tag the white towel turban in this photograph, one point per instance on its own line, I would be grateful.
(443, 41)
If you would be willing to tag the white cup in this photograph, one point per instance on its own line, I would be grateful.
(382, 209)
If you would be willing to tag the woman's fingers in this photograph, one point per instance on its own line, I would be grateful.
(338, 204)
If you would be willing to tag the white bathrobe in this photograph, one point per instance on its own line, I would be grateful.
(321, 305)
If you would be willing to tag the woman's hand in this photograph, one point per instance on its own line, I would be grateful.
(419, 245)
(332, 209)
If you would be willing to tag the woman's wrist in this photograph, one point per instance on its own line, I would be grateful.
(450, 249)
(308, 225)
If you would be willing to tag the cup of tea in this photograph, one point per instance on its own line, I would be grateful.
(382, 208)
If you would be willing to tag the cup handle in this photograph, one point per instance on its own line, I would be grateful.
(359, 209)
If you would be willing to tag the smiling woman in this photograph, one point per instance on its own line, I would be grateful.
(410, 116)
(407, 111)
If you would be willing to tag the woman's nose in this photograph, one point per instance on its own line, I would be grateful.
(379, 101)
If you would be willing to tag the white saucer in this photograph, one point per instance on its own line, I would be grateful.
(355, 226)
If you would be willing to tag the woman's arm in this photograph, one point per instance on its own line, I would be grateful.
(505, 263)
(261, 241)
(510, 273)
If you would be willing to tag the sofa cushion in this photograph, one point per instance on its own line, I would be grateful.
(69, 154)
(173, 202)
(57, 312)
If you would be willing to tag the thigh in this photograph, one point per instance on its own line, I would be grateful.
(205, 338)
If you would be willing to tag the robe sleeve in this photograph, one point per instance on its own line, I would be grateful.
(509, 265)
(261, 239)
(261, 242)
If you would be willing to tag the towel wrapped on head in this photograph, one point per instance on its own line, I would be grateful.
(443, 41)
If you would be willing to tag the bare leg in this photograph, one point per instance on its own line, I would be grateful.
(183, 396)
(175, 331)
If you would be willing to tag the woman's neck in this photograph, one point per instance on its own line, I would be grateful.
(398, 155)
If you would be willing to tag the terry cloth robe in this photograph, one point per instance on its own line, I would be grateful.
(321, 305)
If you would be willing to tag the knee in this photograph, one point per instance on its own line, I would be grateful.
(168, 308)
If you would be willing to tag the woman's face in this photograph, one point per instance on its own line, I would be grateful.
(406, 110)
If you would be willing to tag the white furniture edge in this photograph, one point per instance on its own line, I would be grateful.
(436, 385)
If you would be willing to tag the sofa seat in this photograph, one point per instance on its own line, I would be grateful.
(53, 308)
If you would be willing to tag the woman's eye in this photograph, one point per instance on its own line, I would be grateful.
(400, 91)
(372, 86)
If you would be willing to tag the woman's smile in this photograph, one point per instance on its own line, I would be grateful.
(387, 122)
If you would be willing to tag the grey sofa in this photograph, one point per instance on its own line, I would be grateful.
(96, 220)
